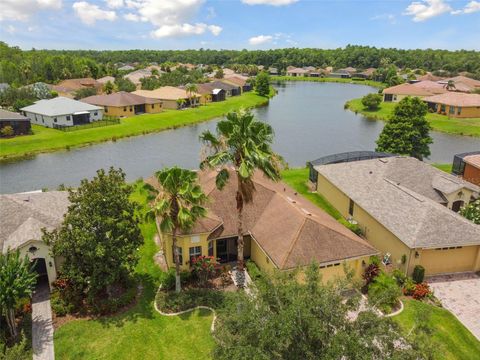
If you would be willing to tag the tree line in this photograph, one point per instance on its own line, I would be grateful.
(19, 67)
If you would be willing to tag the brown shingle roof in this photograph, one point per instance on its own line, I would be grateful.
(164, 93)
(455, 99)
(119, 99)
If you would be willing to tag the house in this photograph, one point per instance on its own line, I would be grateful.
(282, 231)
(365, 74)
(69, 87)
(209, 93)
(462, 83)
(23, 218)
(431, 86)
(136, 76)
(170, 96)
(126, 68)
(455, 104)
(125, 104)
(467, 165)
(106, 79)
(19, 123)
(398, 92)
(62, 111)
(341, 74)
(429, 76)
(407, 210)
(238, 80)
(230, 88)
(296, 72)
(273, 71)
(349, 70)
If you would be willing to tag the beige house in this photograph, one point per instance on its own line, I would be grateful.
(170, 96)
(23, 218)
(398, 92)
(124, 104)
(282, 231)
(406, 209)
(455, 104)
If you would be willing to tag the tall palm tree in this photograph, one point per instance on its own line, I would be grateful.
(243, 142)
(178, 204)
(191, 90)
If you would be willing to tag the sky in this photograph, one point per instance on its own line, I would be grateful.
(239, 24)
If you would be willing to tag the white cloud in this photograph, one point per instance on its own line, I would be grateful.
(260, 39)
(426, 9)
(269, 2)
(133, 17)
(215, 29)
(470, 8)
(115, 4)
(178, 30)
(22, 10)
(91, 13)
(388, 17)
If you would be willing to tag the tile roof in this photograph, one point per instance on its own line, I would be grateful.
(8, 115)
(407, 89)
(399, 192)
(455, 99)
(106, 79)
(431, 86)
(119, 99)
(164, 93)
(59, 106)
(69, 85)
(473, 160)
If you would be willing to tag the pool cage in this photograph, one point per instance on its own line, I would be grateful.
(458, 166)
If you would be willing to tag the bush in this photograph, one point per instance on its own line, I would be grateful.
(107, 306)
(421, 291)
(253, 270)
(409, 287)
(384, 292)
(168, 282)
(7, 131)
(418, 274)
(174, 302)
(59, 306)
(371, 272)
(399, 277)
(203, 267)
(372, 101)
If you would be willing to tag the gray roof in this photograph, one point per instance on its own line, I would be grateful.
(8, 115)
(405, 196)
(59, 106)
(24, 215)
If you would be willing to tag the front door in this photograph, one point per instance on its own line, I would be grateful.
(40, 267)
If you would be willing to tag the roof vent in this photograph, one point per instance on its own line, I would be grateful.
(307, 212)
(370, 172)
(291, 200)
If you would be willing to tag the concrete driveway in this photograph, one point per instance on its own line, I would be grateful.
(460, 294)
(42, 328)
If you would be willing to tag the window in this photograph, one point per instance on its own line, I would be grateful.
(451, 110)
(131, 108)
(459, 110)
(388, 97)
(350, 207)
(69, 118)
(95, 113)
(180, 255)
(153, 106)
(125, 108)
(105, 108)
(194, 252)
(54, 119)
(442, 108)
(210, 248)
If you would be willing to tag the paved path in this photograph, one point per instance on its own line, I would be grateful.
(460, 293)
(42, 328)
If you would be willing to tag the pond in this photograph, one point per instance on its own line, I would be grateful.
(309, 122)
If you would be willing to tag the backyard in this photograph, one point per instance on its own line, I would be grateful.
(468, 127)
(47, 139)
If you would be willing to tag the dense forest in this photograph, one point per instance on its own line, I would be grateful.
(20, 67)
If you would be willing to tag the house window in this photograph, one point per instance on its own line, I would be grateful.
(350, 207)
(451, 110)
(106, 108)
(210, 248)
(194, 252)
(131, 108)
(95, 113)
(153, 106)
(180, 255)
(388, 97)
(459, 110)
(54, 119)
(69, 118)
(442, 108)
(125, 108)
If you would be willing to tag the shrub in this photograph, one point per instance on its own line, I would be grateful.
(418, 274)
(399, 277)
(371, 272)
(7, 131)
(168, 282)
(384, 292)
(253, 270)
(107, 306)
(372, 101)
(409, 287)
(59, 306)
(203, 267)
(187, 299)
(421, 291)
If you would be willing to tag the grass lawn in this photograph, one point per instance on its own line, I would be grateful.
(444, 167)
(452, 339)
(47, 139)
(141, 332)
(469, 127)
(327, 79)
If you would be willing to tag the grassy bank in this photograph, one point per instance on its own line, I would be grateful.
(46, 139)
(331, 80)
(468, 127)
(140, 332)
(451, 339)
(444, 167)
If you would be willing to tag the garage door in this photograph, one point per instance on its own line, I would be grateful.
(449, 260)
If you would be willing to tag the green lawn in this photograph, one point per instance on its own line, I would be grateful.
(327, 79)
(469, 127)
(444, 167)
(46, 139)
(451, 338)
(141, 332)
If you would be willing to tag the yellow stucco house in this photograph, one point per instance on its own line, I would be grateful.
(23, 218)
(407, 209)
(282, 231)
(124, 104)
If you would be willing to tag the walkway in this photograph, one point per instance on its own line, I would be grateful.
(42, 328)
(460, 293)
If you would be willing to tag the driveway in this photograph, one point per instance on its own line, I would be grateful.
(460, 293)
(42, 327)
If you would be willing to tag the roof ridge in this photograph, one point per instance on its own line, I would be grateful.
(297, 235)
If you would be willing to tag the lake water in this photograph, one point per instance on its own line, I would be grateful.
(308, 119)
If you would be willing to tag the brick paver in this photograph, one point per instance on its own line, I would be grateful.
(42, 328)
(460, 294)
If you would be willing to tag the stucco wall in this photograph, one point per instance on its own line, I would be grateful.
(126, 111)
(42, 252)
(184, 242)
(472, 174)
(450, 260)
(48, 121)
(466, 112)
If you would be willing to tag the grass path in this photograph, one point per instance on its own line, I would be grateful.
(47, 140)
(467, 127)
(141, 332)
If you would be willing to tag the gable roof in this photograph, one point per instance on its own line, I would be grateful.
(407, 89)
(106, 79)
(59, 106)
(399, 192)
(8, 115)
(431, 86)
(455, 99)
(70, 85)
(119, 99)
(463, 79)
(224, 85)
(164, 93)
(24, 215)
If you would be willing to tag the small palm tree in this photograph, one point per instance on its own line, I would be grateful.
(178, 204)
(243, 142)
(181, 103)
(191, 90)
(450, 85)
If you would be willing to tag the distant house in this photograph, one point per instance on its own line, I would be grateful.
(407, 210)
(350, 70)
(106, 79)
(365, 74)
(454, 104)
(209, 93)
(126, 68)
(283, 231)
(19, 123)
(398, 92)
(296, 72)
(23, 218)
(170, 96)
(462, 83)
(429, 76)
(239, 80)
(125, 104)
(68, 87)
(273, 71)
(230, 89)
(467, 165)
(341, 74)
(136, 76)
(431, 86)
(62, 111)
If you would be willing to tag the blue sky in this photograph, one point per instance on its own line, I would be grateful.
(239, 24)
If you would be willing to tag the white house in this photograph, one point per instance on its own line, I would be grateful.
(62, 111)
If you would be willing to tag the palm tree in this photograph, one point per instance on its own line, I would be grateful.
(243, 142)
(191, 90)
(178, 204)
(450, 85)
(181, 103)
